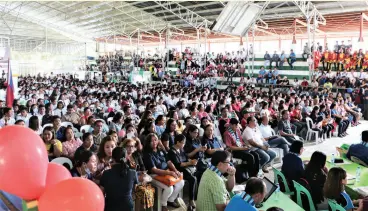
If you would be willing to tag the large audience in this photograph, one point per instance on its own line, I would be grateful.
(122, 135)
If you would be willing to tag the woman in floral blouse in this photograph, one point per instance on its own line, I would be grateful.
(71, 144)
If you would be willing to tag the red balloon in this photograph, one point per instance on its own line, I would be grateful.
(23, 162)
(56, 173)
(73, 194)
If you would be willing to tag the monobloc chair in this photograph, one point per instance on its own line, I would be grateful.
(335, 206)
(311, 132)
(278, 174)
(299, 189)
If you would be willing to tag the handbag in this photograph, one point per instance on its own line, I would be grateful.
(168, 179)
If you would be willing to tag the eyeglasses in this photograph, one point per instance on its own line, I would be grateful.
(130, 146)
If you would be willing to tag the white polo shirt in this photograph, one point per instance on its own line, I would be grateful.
(266, 130)
(254, 134)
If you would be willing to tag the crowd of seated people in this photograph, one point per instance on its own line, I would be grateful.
(163, 130)
(322, 183)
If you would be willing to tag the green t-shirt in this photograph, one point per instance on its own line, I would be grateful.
(212, 190)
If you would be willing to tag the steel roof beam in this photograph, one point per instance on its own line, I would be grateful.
(72, 35)
(305, 24)
(190, 17)
(148, 15)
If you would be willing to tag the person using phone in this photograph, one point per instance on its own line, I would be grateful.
(181, 161)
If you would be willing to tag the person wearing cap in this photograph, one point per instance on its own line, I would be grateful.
(254, 193)
(213, 188)
(360, 150)
(234, 141)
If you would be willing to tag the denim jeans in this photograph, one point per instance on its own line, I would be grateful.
(265, 156)
(280, 142)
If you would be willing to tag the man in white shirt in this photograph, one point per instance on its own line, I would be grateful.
(41, 113)
(253, 136)
(7, 119)
(273, 140)
(23, 115)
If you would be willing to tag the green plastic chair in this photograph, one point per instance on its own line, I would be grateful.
(278, 174)
(300, 189)
(335, 206)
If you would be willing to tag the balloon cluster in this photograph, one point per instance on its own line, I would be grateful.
(26, 172)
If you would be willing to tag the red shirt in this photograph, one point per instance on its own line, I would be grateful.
(236, 107)
(230, 140)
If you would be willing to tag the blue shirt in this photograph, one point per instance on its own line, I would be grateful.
(292, 56)
(262, 72)
(155, 159)
(241, 201)
(16, 201)
(359, 151)
(160, 130)
(275, 72)
(292, 167)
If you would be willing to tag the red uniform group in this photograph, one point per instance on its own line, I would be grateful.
(341, 61)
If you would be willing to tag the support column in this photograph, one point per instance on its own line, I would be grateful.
(309, 38)
(167, 47)
(361, 29)
(46, 40)
(254, 34)
(294, 33)
(138, 37)
(198, 41)
(205, 47)
(314, 44)
(280, 43)
(247, 41)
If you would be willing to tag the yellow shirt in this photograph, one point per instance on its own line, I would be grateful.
(57, 144)
(328, 85)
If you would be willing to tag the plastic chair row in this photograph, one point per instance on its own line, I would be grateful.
(299, 190)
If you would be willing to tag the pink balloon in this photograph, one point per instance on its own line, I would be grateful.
(75, 194)
(23, 162)
(121, 133)
(56, 173)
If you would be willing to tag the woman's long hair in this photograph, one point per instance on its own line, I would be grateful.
(333, 185)
(317, 162)
(119, 156)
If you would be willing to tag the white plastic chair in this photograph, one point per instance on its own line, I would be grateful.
(75, 130)
(279, 153)
(62, 161)
(85, 128)
(109, 120)
(78, 135)
(311, 132)
(47, 125)
(66, 124)
(101, 120)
